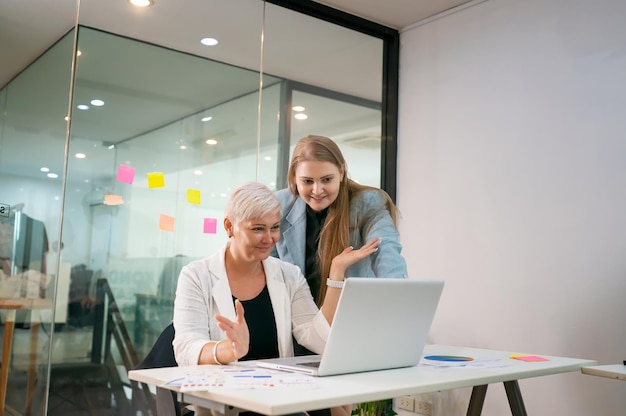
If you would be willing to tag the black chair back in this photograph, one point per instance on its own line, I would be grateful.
(162, 353)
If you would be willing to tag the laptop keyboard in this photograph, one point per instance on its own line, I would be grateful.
(315, 364)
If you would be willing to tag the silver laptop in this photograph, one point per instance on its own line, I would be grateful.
(379, 324)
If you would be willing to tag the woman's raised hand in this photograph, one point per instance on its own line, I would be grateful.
(350, 256)
(237, 334)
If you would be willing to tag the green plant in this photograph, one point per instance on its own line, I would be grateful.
(375, 408)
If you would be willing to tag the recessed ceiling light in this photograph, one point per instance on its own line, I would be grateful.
(197, 172)
(82, 107)
(298, 108)
(183, 147)
(207, 118)
(209, 41)
(52, 175)
(80, 155)
(141, 3)
(267, 158)
(211, 142)
(301, 116)
(97, 103)
(44, 169)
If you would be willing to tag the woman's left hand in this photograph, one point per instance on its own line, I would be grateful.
(236, 332)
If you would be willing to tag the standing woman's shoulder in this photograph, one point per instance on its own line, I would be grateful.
(285, 197)
(370, 199)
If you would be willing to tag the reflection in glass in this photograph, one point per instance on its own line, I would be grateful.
(32, 153)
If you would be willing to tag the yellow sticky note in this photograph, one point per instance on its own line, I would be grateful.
(166, 223)
(193, 196)
(113, 200)
(156, 180)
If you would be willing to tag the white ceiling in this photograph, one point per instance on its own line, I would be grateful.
(396, 14)
(295, 47)
(28, 28)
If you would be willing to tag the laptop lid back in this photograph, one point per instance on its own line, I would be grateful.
(380, 323)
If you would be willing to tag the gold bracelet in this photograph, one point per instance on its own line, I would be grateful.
(215, 352)
(335, 283)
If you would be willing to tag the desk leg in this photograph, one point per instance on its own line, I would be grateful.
(6, 356)
(32, 360)
(167, 402)
(515, 398)
(477, 399)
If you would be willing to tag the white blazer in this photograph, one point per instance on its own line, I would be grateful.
(203, 292)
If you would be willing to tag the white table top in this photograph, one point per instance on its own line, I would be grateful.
(375, 385)
(616, 371)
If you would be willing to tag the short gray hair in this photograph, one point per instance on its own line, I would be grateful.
(251, 200)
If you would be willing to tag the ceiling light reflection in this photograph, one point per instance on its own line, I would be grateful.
(209, 41)
(141, 3)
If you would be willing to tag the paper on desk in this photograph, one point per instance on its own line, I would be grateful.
(475, 363)
(243, 378)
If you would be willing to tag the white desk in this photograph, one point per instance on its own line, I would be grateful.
(375, 385)
(616, 371)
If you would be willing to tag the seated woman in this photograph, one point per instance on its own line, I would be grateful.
(242, 304)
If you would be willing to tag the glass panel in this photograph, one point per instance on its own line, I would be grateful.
(336, 74)
(33, 133)
(125, 237)
(171, 135)
(354, 125)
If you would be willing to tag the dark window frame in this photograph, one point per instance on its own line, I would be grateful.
(390, 62)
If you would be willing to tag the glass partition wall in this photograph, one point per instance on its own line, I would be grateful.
(160, 129)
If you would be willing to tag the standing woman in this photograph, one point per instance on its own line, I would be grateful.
(324, 212)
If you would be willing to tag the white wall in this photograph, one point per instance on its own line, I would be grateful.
(512, 185)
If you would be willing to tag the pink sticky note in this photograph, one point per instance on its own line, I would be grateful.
(156, 180)
(113, 200)
(125, 174)
(210, 225)
(530, 358)
(166, 223)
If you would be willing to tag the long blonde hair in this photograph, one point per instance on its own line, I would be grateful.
(335, 234)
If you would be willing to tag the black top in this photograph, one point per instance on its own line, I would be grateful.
(314, 224)
(262, 327)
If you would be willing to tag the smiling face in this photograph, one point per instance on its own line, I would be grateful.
(253, 240)
(318, 183)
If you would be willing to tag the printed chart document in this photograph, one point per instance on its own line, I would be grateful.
(231, 377)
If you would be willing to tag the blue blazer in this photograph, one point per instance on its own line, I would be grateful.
(369, 218)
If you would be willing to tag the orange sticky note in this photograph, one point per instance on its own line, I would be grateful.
(156, 180)
(125, 174)
(166, 223)
(210, 225)
(193, 196)
(113, 200)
